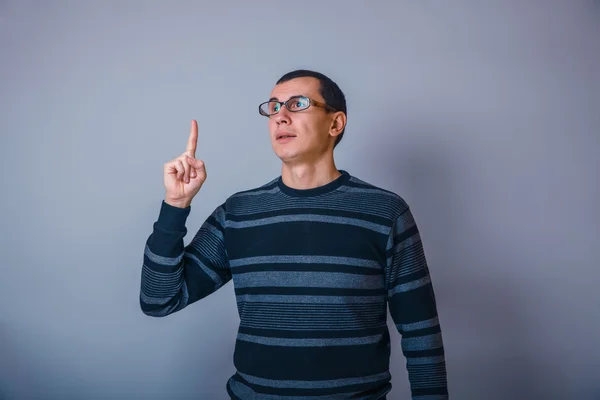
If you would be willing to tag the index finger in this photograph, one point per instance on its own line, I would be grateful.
(193, 140)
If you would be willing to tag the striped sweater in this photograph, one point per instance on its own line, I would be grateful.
(314, 271)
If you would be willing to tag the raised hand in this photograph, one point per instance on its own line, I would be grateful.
(184, 175)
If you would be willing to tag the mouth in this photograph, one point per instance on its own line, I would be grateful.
(284, 136)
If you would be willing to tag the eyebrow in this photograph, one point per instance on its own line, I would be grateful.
(296, 95)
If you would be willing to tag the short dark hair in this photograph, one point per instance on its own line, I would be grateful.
(331, 92)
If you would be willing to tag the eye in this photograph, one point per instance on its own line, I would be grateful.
(301, 103)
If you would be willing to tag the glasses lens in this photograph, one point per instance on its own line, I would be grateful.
(274, 107)
(270, 107)
(298, 103)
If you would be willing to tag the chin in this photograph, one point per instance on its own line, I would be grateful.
(286, 155)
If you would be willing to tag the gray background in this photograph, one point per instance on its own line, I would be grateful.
(484, 116)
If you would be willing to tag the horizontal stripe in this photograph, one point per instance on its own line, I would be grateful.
(159, 292)
(408, 261)
(398, 247)
(428, 376)
(306, 267)
(208, 244)
(286, 308)
(382, 329)
(308, 218)
(314, 317)
(160, 276)
(321, 384)
(418, 325)
(309, 291)
(154, 300)
(278, 298)
(312, 210)
(425, 360)
(314, 320)
(168, 261)
(311, 307)
(415, 276)
(156, 284)
(342, 319)
(166, 306)
(409, 286)
(310, 327)
(421, 332)
(211, 229)
(357, 188)
(293, 342)
(422, 342)
(209, 248)
(160, 284)
(353, 204)
(308, 279)
(289, 316)
(304, 259)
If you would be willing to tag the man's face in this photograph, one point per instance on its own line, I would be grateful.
(309, 129)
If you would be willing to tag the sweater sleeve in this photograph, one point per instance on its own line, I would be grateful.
(413, 309)
(175, 276)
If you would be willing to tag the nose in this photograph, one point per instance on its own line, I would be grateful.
(283, 116)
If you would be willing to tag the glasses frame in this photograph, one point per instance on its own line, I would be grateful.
(311, 102)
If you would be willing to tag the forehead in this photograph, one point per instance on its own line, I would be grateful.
(305, 86)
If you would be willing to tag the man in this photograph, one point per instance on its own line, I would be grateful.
(316, 256)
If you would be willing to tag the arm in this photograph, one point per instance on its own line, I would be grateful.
(174, 276)
(413, 308)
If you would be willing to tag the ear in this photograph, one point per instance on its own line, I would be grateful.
(338, 123)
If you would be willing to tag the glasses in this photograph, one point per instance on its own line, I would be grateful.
(294, 104)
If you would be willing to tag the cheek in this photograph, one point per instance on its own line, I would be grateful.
(272, 126)
(318, 130)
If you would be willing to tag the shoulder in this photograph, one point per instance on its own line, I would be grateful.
(378, 196)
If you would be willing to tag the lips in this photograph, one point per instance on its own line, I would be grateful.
(284, 135)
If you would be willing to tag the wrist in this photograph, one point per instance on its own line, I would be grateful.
(178, 203)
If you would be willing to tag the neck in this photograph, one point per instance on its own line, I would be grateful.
(309, 175)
